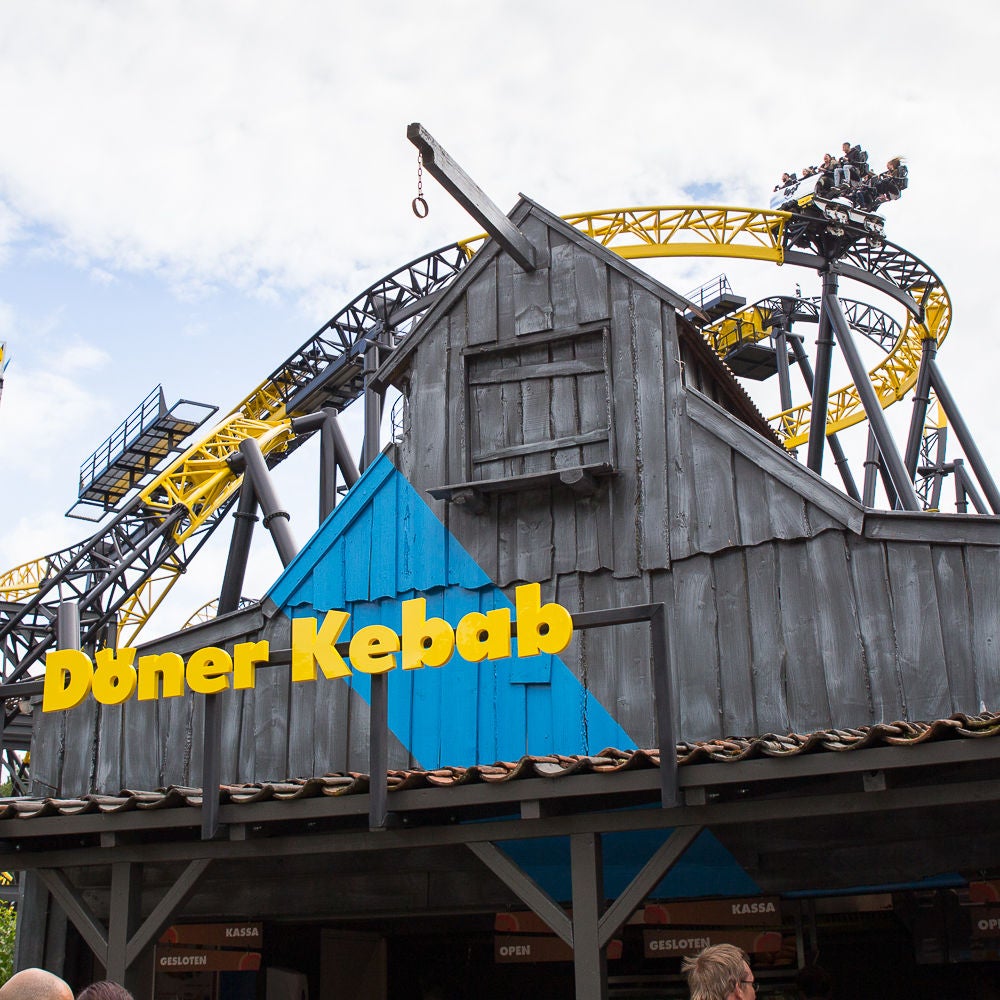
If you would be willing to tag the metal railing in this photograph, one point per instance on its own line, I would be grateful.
(142, 417)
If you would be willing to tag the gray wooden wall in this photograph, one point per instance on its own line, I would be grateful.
(783, 614)
(789, 608)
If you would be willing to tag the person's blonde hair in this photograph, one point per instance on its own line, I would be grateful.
(715, 971)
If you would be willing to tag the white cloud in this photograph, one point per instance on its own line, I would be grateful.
(78, 357)
(6, 320)
(261, 147)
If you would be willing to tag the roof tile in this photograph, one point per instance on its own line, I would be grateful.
(609, 760)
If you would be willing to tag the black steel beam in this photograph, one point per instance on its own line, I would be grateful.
(902, 483)
(275, 518)
(964, 435)
(821, 380)
(921, 400)
(836, 449)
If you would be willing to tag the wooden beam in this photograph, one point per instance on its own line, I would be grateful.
(164, 911)
(64, 893)
(471, 197)
(525, 888)
(123, 917)
(639, 888)
(590, 963)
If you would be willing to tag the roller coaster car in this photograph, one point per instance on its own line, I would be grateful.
(800, 195)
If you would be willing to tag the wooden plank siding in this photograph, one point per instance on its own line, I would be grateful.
(789, 608)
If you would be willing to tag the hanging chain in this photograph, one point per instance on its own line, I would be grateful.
(419, 204)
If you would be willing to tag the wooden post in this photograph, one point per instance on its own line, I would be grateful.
(471, 197)
(123, 919)
(378, 707)
(590, 965)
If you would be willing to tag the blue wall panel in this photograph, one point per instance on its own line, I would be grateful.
(383, 545)
(706, 868)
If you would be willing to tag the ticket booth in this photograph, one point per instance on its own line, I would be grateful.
(208, 962)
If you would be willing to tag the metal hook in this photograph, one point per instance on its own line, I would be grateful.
(419, 204)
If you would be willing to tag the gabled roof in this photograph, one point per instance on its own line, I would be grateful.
(743, 405)
(491, 249)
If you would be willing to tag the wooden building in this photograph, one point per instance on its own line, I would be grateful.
(563, 426)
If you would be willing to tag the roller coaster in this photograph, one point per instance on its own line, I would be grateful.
(120, 574)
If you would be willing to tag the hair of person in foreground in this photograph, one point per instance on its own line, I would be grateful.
(715, 972)
(35, 984)
(104, 989)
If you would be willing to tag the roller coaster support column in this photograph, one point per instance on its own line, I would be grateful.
(871, 470)
(378, 709)
(821, 384)
(229, 599)
(873, 409)
(275, 519)
(239, 548)
(921, 400)
(839, 458)
(965, 490)
(335, 453)
(779, 324)
(965, 438)
(874, 466)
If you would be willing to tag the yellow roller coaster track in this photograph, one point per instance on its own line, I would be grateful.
(201, 479)
(758, 234)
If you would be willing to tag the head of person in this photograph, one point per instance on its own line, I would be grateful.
(104, 989)
(719, 972)
(35, 984)
(846, 147)
(827, 158)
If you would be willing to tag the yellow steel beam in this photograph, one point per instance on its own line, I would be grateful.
(680, 231)
(202, 481)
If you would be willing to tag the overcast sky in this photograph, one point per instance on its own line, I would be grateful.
(189, 190)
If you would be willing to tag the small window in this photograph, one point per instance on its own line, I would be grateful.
(539, 408)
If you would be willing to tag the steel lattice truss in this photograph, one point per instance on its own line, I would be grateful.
(120, 574)
(754, 322)
(906, 278)
(345, 337)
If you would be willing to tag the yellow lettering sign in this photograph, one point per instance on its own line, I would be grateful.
(112, 677)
